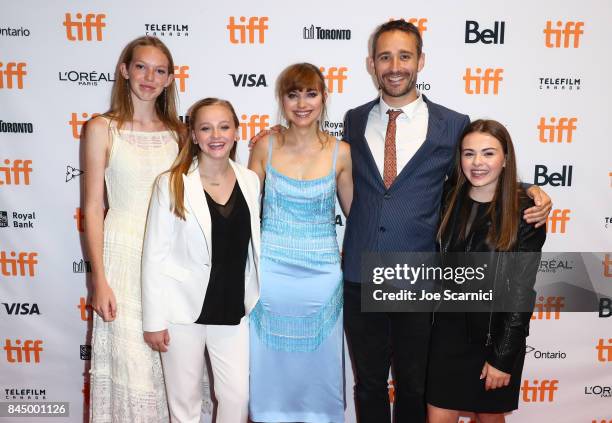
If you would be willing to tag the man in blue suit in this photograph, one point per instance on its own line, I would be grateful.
(402, 148)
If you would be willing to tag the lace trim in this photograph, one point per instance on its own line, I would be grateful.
(297, 333)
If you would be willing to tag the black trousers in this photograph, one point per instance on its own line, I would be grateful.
(377, 341)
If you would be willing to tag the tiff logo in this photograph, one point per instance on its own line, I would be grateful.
(560, 216)
(571, 31)
(31, 349)
(483, 84)
(85, 309)
(604, 352)
(79, 217)
(558, 130)
(18, 264)
(180, 73)
(243, 33)
(418, 22)
(536, 392)
(549, 309)
(92, 21)
(251, 125)
(335, 77)
(77, 124)
(14, 71)
(607, 266)
(13, 172)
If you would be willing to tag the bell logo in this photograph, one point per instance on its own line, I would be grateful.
(488, 83)
(607, 266)
(13, 172)
(604, 352)
(77, 124)
(334, 77)
(85, 309)
(90, 22)
(558, 130)
(238, 32)
(486, 36)
(180, 73)
(80, 219)
(18, 353)
(562, 179)
(13, 71)
(536, 392)
(549, 308)
(18, 264)
(563, 31)
(251, 125)
(557, 216)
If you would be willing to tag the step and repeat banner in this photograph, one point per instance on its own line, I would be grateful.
(541, 68)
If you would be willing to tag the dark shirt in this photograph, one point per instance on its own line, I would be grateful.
(231, 233)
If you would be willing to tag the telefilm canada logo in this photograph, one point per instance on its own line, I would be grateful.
(86, 78)
(29, 393)
(313, 32)
(167, 29)
(559, 83)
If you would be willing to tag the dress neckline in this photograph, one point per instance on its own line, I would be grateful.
(301, 180)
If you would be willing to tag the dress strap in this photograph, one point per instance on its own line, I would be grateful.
(270, 145)
(335, 157)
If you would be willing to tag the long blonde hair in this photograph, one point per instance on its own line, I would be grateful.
(190, 150)
(122, 109)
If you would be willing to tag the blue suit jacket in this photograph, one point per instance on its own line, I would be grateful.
(404, 217)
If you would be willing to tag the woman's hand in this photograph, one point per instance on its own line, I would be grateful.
(543, 204)
(495, 378)
(276, 129)
(158, 341)
(103, 300)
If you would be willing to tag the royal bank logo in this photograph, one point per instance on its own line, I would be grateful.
(20, 220)
(335, 129)
(16, 127)
(72, 172)
(559, 83)
(14, 32)
(85, 352)
(318, 33)
(86, 79)
(605, 307)
(167, 30)
(25, 393)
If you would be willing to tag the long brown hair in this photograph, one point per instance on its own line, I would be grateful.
(122, 109)
(298, 77)
(504, 208)
(190, 150)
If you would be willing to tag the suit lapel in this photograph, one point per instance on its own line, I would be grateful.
(194, 193)
(360, 128)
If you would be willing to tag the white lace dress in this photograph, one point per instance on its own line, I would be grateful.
(126, 376)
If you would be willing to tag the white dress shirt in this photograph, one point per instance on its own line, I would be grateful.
(409, 136)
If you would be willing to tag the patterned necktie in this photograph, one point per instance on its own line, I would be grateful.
(390, 167)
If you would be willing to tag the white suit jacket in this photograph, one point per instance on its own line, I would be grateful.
(177, 253)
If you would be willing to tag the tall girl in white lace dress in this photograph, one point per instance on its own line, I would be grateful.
(124, 151)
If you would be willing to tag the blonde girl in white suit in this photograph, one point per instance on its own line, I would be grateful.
(200, 267)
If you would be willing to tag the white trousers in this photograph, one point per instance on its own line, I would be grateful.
(184, 366)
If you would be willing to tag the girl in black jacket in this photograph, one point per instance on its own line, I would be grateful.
(476, 359)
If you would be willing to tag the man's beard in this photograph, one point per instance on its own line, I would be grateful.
(400, 91)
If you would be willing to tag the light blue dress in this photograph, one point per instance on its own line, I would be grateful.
(297, 372)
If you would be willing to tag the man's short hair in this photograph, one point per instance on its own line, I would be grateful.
(397, 25)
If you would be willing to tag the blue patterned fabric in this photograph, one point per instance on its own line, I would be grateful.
(296, 327)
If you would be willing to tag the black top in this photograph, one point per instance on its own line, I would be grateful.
(231, 234)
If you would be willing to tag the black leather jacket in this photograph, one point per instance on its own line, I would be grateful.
(505, 332)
